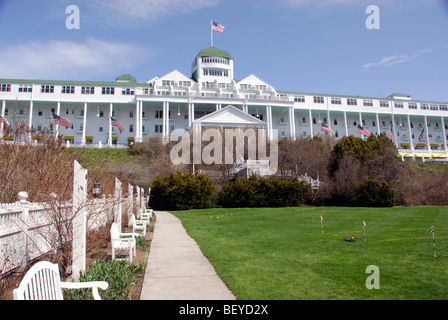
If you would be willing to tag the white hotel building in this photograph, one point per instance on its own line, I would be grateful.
(175, 100)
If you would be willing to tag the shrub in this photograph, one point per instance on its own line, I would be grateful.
(264, 192)
(373, 193)
(182, 191)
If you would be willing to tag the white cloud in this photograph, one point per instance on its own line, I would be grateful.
(134, 12)
(67, 60)
(397, 59)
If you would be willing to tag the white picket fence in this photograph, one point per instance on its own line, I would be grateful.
(29, 230)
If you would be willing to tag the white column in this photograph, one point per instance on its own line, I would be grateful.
(137, 122)
(378, 130)
(269, 121)
(57, 126)
(292, 124)
(394, 129)
(444, 134)
(427, 134)
(84, 125)
(30, 125)
(140, 129)
(411, 144)
(111, 110)
(346, 124)
(311, 124)
(2, 125)
(190, 114)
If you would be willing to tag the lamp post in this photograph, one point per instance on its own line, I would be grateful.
(96, 189)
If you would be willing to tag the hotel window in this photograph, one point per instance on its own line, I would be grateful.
(159, 128)
(245, 86)
(184, 83)
(443, 107)
(261, 87)
(167, 83)
(336, 101)
(131, 128)
(68, 89)
(39, 113)
(101, 129)
(424, 106)
(216, 72)
(131, 114)
(318, 99)
(283, 97)
(6, 87)
(108, 90)
(412, 105)
(335, 121)
(224, 85)
(143, 129)
(47, 89)
(373, 123)
(159, 114)
(299, 98)
(127, 92)
(368, 103)
(88, 90)
(303, 120)
(434, 106)
(384, 104)
(352, 102)
(25, 88)
(314, 120)
(398, 105)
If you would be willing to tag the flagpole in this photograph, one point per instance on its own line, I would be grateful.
(434, 242)
(211, 33)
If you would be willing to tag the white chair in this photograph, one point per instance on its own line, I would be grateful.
(43, 282)
(146, 215)
(122, 242)
(138, 226)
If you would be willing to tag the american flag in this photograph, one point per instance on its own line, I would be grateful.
(326, 128)
(2, 119)
(391, 132)
(363, 131)
(421, 135)
(61, 121)
(218, 27)
(115, 123)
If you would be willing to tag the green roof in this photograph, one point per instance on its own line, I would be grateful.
(127, 77)
(214, 52)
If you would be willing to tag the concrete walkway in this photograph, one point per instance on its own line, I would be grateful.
(177, 268)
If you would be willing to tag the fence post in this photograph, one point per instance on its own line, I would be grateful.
(117, 205)
(130, 200)
(79, 220)
(22, 196)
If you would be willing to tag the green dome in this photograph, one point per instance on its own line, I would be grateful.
(214, 52)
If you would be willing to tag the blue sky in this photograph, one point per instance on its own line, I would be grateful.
(320, 46)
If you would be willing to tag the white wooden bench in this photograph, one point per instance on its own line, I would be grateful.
(122, 242)
(43, 282)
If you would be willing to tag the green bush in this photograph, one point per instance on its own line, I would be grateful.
(373, 193)
(182, 191)
(120, 276)
(263, 192)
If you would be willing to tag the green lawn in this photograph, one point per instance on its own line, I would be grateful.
(281, 253)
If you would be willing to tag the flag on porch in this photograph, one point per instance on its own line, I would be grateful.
(61, 121)
(115, 123)
(326, 128)
(391, 132)
(421, 135)
(2, 119)
(363, 131)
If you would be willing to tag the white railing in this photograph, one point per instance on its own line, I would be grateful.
(29, 230)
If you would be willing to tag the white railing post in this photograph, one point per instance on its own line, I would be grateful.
(24, 219)
(117, 205)
(79, 220)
